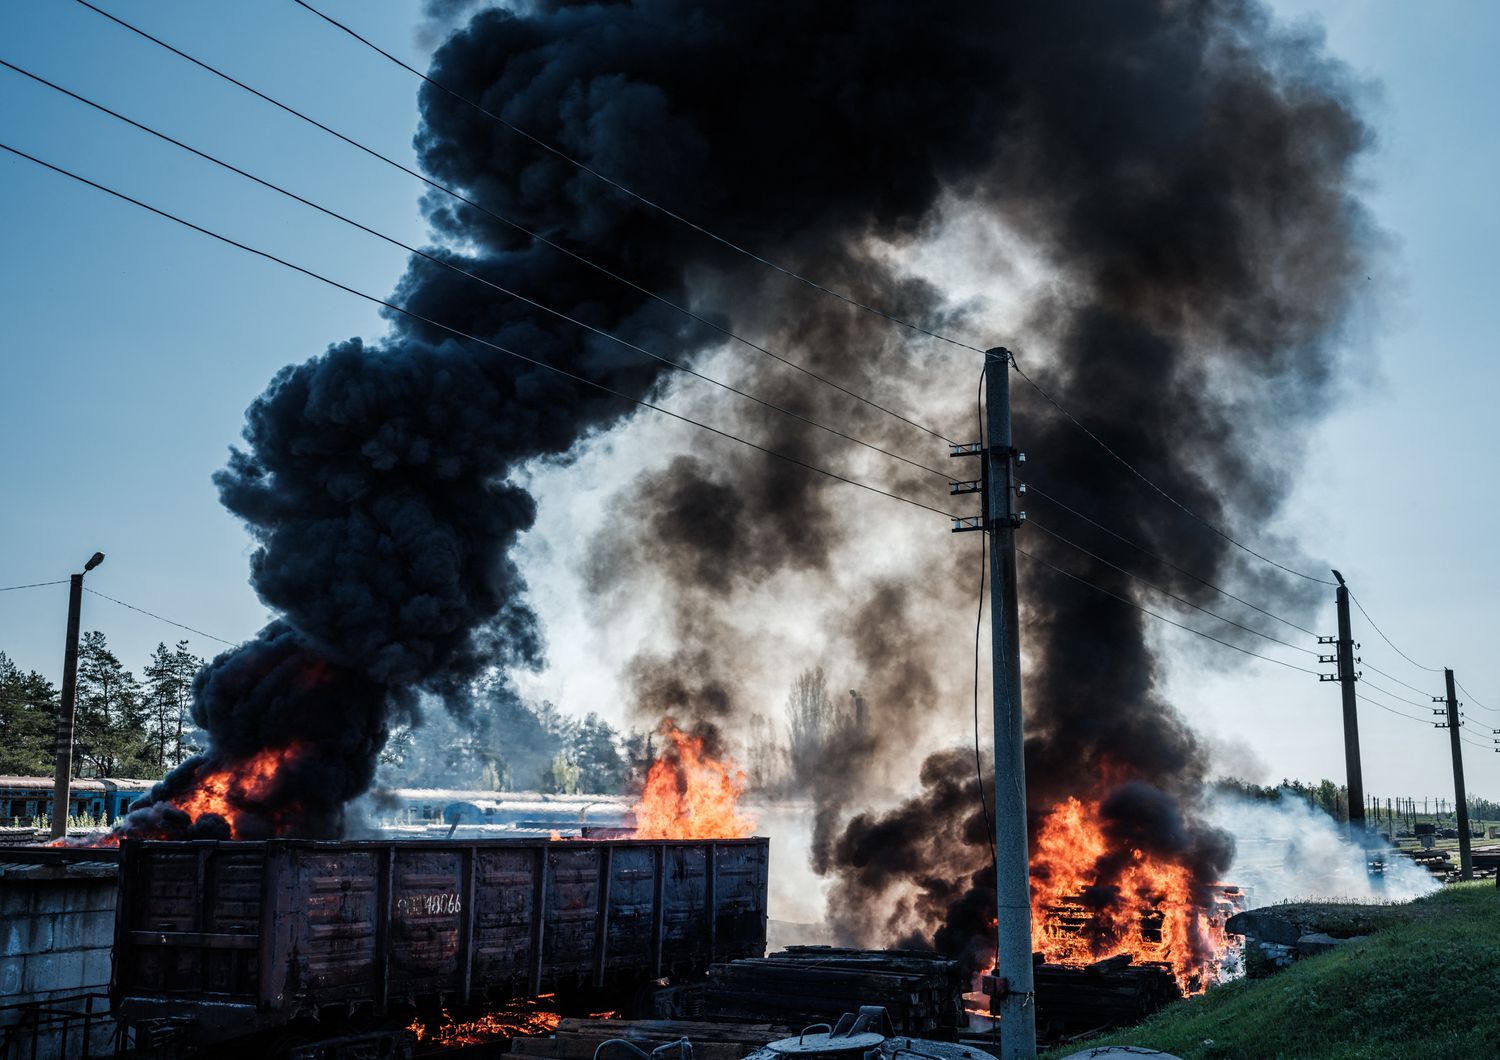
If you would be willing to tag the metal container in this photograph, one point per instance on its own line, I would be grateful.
(865, 1035)
(238, 937)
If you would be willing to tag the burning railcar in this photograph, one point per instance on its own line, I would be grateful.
(225, 939)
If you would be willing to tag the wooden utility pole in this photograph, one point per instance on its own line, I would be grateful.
(1346, 677)
(62, 747)
(1460, 800)
(999, 488)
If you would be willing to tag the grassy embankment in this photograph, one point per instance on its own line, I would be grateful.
(1423, 983)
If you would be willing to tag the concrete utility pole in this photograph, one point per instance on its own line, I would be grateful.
(63, 746)
(999, 489)
(1460, 800)
(1346, 677)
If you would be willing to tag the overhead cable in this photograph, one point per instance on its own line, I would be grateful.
(150, 614)
(989, 826)
(1469, 696)
(31, 585)
(1399, 699)
(1144, 478)
(1032, 488)
(1390, 710)
(465, 272)
(1171, 622)
(1392, 677)
(470, 338)
(1398, 651)
(631, 193)
(515, 225)
(1168, 592)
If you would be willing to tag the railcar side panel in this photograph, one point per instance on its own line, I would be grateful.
(240, 936)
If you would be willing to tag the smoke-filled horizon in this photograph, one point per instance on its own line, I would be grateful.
(1179, 175)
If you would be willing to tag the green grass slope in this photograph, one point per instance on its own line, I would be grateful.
(1425, 983)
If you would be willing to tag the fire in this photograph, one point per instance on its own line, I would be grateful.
(505, 1024)
(227, 791)
(103, 839)
(1152, 909)
(223, 791)
(690, 795)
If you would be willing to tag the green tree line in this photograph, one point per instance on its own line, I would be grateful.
(506, 744)
(124, 726)
(1333, 799)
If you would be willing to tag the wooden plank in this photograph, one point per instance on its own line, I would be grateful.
(670, 1029)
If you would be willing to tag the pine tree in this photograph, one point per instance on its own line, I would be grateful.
(168, 695)
(596, 751)
(28, 721)
(111, 737)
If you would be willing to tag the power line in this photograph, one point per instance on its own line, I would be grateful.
(597, 175)
(1142, 476)
(32, 585)
(989, 826)
(1469, 696)
(464, 335)
(1390, 710)
(529, 233)
(1398, 651)
(150, 614)
(1390, 677)
(465, 272)
(1168, 592)
(1032, 488)
(1171, 622)
(1403, 714)
(1399, 699)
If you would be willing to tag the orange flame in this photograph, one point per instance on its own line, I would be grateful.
(504, 1025)
(222, 791)
(103, 839)
(690, 795)
(1151, 910)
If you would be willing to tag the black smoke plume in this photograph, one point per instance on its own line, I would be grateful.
(1184, 175)
(1182, 171)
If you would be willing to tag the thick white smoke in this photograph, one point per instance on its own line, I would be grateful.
(1286, 850)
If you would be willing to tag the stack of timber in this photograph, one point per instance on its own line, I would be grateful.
(802, 985)
(1108, 993)
(577, 1039)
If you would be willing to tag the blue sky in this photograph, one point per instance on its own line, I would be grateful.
(131, 347)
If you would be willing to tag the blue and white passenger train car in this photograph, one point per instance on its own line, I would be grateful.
(25, 800)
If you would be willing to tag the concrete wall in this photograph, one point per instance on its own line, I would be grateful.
(57, 925)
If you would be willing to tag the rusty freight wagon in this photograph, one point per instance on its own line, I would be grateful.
(222, 939)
